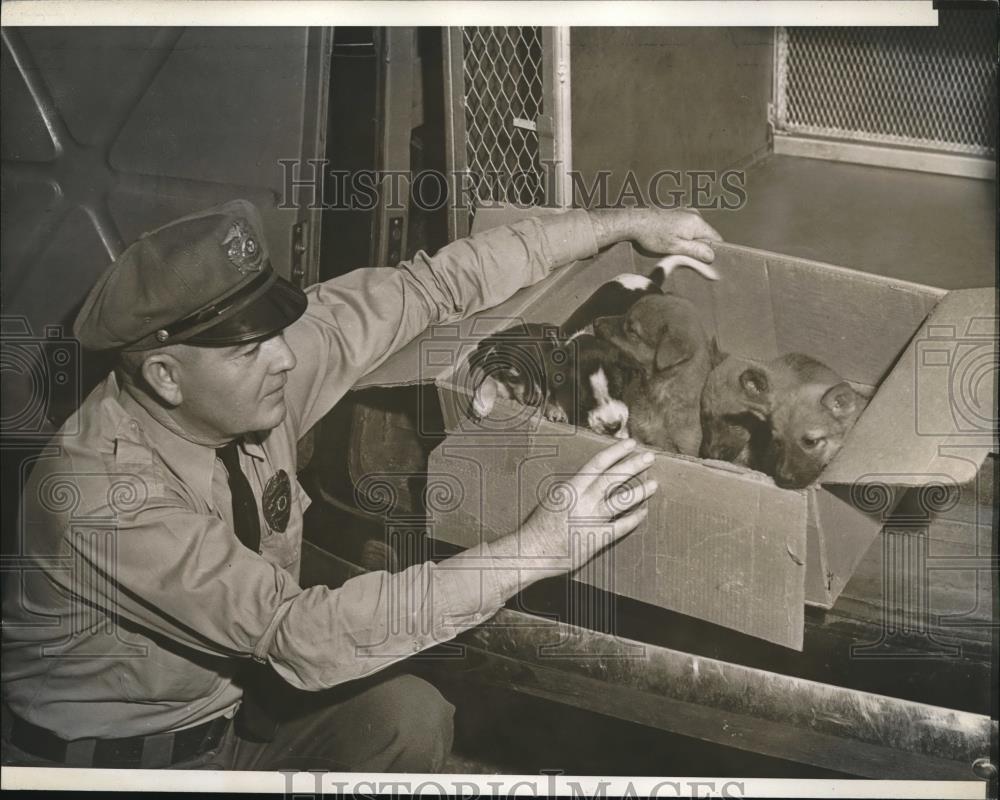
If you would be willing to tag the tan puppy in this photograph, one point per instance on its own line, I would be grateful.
(663, 335)
(734, 413)
(812, 409)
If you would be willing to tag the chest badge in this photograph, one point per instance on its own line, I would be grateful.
(277, 501)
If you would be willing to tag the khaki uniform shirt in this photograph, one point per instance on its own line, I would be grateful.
(139, 603)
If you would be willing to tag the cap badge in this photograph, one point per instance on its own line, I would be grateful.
(242, 249)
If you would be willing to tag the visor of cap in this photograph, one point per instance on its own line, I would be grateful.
(262, 317)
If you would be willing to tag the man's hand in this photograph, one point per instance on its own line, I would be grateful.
(585, 514)
(665, 231)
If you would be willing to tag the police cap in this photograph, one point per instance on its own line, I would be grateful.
(204, 279)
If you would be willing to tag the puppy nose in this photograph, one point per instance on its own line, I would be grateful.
(614, 426)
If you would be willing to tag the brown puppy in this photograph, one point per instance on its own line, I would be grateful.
(734, 412)
(663, 335)
(812, 409)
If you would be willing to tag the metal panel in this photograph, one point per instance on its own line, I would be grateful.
(396, 89)
(556, 68)
(141, 126)
(932, 88)
(854, 732)
(456, 162)
(110, 132)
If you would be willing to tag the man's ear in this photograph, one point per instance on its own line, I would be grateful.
(161, 372)
(672, 350)
(840, 400)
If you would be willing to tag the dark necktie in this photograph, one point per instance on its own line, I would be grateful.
(254, 721)
(246, 523)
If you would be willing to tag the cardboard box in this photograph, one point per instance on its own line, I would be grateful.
(723, 543)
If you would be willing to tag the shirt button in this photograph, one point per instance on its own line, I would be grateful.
(416, 647)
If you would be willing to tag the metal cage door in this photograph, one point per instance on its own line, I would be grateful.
(507, 123)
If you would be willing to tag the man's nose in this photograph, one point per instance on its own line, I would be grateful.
(282, 357)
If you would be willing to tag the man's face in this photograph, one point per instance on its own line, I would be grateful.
(235, 390)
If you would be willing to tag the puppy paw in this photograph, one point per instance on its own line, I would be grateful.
(555, 413)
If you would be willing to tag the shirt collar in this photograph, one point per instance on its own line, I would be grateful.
(192, 462)
(251, 445)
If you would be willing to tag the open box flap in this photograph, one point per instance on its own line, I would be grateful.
(933, 419)
(407, 367)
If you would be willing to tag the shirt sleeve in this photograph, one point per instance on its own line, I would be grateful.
(211, 593)
(356, 321)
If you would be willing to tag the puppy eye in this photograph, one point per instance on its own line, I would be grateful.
(812, 442)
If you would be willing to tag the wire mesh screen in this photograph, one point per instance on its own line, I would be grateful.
(503, 100)
(923, 87)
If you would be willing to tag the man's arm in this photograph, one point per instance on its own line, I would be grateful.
(356, 321)
(667, 231)
(185, 576)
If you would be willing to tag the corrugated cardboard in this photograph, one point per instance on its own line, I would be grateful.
(722, 543)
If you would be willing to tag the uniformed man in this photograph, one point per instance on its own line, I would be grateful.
(164, 538)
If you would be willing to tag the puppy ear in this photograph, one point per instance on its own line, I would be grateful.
(840, 400)
(755, 383)
(756, 387)
(671, 351)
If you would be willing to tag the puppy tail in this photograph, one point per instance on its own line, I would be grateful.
(658, 277)
(668, 264)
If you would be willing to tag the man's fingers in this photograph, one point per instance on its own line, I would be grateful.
(619, 474)
(702, 251)
(629, 522)
(602, 461)
(702, 230)
(622, 498)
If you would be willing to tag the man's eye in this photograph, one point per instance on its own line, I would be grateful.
(252, 351)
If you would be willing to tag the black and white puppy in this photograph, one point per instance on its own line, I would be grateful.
(573, 375)
(587, 389)
(515, 364)
(579, 382)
